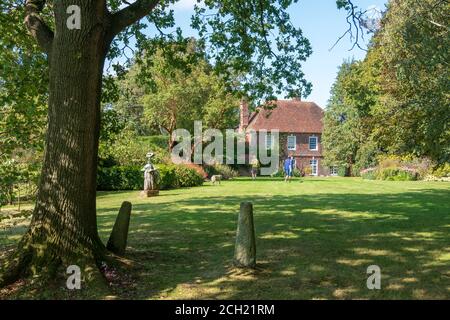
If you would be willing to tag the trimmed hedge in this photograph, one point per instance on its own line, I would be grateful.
(120, 178)
(132, 178)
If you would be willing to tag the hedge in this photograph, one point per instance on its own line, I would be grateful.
(369, 174)
(442, 171)
(282, 174)
(132, 178)
(396, 174)
(390, 174)
(221, 169)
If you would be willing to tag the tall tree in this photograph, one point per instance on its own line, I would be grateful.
(413, 44)
(395, 101)
(252, 36)
(180, 95)
(348, 124)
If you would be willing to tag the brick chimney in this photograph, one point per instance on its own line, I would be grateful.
(244, 115)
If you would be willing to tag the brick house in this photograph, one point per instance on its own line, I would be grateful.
(300, 125)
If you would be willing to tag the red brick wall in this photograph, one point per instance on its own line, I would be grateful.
(302, 153)
(303, 162)
(302, 148)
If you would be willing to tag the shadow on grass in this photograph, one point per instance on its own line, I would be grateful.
(312, 246)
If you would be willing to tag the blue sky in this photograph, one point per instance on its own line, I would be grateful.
(322, 24)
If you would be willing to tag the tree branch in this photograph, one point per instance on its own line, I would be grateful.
(131, 14)
(355, 21)
(36, 26)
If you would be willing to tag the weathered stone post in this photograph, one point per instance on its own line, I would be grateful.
(245, 250)
(118, 239)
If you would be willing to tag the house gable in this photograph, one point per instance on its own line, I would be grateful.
(289, 116)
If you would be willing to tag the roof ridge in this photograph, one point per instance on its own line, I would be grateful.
(284, 116)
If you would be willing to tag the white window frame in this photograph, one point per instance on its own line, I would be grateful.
(295, 143)
(316, 166)
(317, 143)
(334, 171)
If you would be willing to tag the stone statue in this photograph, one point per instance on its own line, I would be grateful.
(151, 176)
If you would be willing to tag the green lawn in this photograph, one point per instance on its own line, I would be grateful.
(315, 240)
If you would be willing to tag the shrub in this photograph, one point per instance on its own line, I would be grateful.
(369, 174)
(187, 177)
(132, 177)
(420, 166)
(131, 150)
(281, 174)
(307, 170)
(160, 141)
(397, 174)
(423, 166)
(199, 169)
(442, 171)
(278, 174)
(221, 169)
(342, 171)
(390, 162)
(167, 177)
(120, 178)
(390, 174)
(297, 173)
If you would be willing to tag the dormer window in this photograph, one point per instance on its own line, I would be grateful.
(313, 144)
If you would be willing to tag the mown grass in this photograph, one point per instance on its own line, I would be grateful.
(315, 240)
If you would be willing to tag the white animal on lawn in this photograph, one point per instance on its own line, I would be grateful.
(216, 179)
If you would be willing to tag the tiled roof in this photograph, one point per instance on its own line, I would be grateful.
(291, 116)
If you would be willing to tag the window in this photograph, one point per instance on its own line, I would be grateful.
(269, 141)
(313, 143)
(333, 170)
(314, 166)
(292, 143)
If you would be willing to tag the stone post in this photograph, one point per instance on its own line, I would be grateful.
(245, 250)
(118, 239)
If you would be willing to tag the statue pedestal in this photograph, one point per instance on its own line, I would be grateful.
(149, 193)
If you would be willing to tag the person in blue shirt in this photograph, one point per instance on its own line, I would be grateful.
(289, 166)
(288, 169)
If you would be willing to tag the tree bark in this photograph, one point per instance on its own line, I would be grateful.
(63, 230)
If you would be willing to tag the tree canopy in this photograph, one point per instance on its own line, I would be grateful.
(395, 101)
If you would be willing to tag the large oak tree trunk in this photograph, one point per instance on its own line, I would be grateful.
(63, 229)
